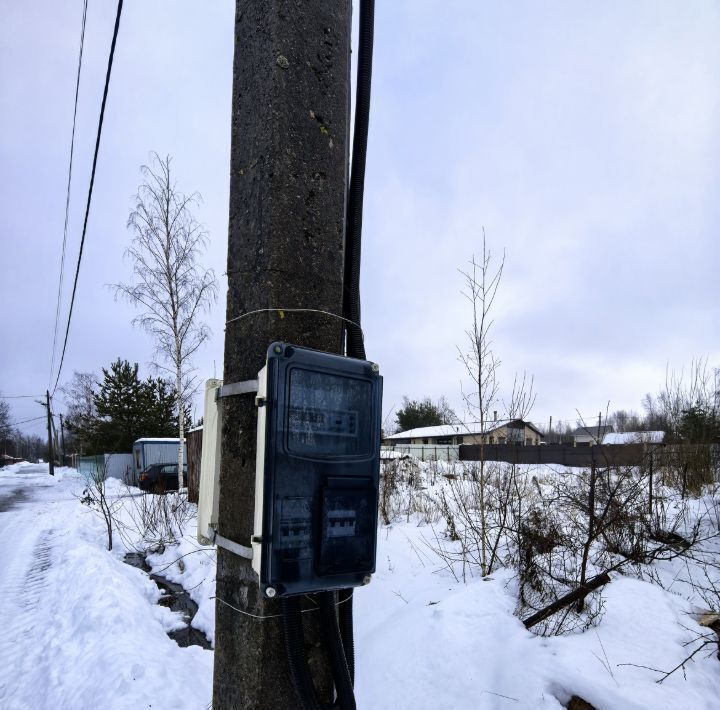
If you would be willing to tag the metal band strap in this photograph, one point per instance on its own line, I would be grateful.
(229, 545)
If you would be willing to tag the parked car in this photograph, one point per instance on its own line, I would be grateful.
(161, 477)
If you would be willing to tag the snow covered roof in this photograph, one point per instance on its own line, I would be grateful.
(596, 432)
(427, 432)
(441, 430)
(157, 440)
(460, 429)
(635, 437)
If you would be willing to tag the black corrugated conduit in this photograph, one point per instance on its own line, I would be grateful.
(297, 658)
(336, 653)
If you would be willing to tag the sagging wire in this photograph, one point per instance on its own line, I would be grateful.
(276, 616)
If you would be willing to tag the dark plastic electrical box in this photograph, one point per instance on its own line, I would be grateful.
(319, 426)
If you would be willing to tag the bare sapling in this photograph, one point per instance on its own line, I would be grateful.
(482, 280)
(95, 495)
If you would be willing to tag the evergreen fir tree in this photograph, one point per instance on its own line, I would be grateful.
(161, 413)
(126, 408)
(121, 406)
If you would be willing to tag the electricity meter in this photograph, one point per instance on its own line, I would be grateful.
(318, 460)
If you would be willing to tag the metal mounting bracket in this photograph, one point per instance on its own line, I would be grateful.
(245, 387)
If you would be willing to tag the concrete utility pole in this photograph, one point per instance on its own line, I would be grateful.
(51, 453)
(62, 439)
(288, 176)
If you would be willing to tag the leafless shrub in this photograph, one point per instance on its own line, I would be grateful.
(425, 507)
(461, 504)
(388, 489)
(596, 522)
(159, 520)
(95, 496)
(399, 483)
(562, 531)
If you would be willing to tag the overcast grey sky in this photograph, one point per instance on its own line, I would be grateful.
(582, 136)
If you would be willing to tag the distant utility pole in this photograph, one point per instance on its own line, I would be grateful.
(51, 455)
(62, 439)
(288, 175)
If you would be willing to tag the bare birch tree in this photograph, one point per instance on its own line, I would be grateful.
(169, 286)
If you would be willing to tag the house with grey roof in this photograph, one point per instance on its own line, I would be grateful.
(591, 435)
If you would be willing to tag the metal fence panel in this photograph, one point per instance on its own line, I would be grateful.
(425, 452)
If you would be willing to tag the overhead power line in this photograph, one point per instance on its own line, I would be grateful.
(19, 396)
(67, 195)
(26, 421)
(90, 189)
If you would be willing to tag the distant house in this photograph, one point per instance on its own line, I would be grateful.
(634, 437)
(591, 434)
(515, 431)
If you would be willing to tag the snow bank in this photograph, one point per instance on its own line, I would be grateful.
(425, 641)
(85, 630)
(81, 628)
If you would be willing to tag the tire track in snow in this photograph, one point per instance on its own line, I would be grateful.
(25, 589)
(35, 579)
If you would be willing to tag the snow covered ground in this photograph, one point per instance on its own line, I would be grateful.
(83, 630)
(426, 641)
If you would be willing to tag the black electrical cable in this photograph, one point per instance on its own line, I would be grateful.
(26, 421)
(353, 226)
(67, 194)
(345, 614)
(92, 182)
(355, 347)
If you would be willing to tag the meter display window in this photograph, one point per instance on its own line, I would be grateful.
(329, 415)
